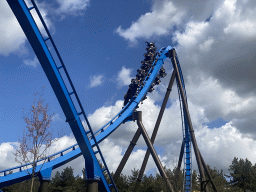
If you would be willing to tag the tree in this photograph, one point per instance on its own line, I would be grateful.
(67, 182)
(242, 174)
(195, 181)
(122, 183)
(177, 179)
(37, 137)
(133, 178)
(148, 183)
(218, 178)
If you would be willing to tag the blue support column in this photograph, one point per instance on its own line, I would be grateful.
(45, 177)
(40, 48)
(187, 158)
(45, 174)
(187, 183)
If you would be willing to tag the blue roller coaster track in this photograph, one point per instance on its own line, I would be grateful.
(87, 141)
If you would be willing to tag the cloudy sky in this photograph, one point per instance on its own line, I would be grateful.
(102, 44)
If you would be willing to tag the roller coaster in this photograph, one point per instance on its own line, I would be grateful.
(88, 141)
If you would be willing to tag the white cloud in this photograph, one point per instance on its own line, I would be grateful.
(7, 159)
(72, 7)
(12, 38)
(223, 59)
(194, 32)
(157, 22)
(62, 143)
(167, 16)
(56, 117)
(206, 45)
(33, 62)
(124, 77)
(219, 146)
(218, 62)
(219, 101)
(7, 150)
(96, 80)
(105, 114)
(240, 20)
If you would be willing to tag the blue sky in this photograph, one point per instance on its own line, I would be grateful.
(102, 44)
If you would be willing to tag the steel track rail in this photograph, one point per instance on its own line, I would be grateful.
(64, 156)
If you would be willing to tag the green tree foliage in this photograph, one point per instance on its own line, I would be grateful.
(66, 181)
(242, 175)
(23, 186)
(122, 183)
(195, 181)
(176, 177)
(218, 179)
(132, 179)
(242, 179)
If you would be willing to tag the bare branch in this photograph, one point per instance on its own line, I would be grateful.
(37, 137)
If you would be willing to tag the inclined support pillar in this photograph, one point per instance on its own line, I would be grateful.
(138, 117)
(199, 158)
(159, 118)
(92, 185)
(45, 177)
(127, 154)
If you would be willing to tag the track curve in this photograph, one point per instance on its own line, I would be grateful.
(71, 153)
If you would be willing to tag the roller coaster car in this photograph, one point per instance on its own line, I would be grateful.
(135, 81)
(150, 44)
(141, 76)
(144, 98)
(126, 99)
(146, 68)
(146, 63)
(128, 96)
(149, 58)
(141, 72)
(162, 73)
(151, 89)
(134, 85)
(142, 83)
(157, 80)
(151, 49)
(149, 54)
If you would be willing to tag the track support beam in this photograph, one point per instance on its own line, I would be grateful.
(181, 156)
(199, 158)
(138, 117)
(92, 185)
(127, 154)
(141, 130)
(44, 186)
(159, 118)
